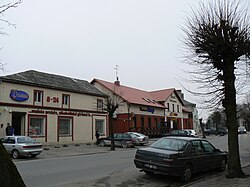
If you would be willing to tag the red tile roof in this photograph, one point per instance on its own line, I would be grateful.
(162, 95)
(131, 95)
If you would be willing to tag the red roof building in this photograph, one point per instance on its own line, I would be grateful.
(152, 113)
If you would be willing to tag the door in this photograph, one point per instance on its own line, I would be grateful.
(18, 122)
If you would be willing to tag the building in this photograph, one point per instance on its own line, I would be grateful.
(51, 108)
(153, 113)
(177, 116)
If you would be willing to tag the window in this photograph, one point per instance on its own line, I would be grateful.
(178, 108)
(208, 147)
(38, 97)
(173, 107)
(168, 107)
(65, 101)
(197, 147)
(99, 105)
(65, 126)
(149, 122)
(99, 124)
(156, 122)
(142, 122)
(37, 126)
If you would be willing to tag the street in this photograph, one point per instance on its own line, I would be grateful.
(108, 169)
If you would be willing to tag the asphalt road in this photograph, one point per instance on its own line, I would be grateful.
(108, 169)
(61, 171)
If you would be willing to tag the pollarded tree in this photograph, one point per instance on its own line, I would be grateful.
(217, 36)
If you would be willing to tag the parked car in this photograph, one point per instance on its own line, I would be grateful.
(120, 139)
(242, 130)
(185, 133)
(141, 138)
(221, 131)
(180, 156)
(192, 132)
(18, 146)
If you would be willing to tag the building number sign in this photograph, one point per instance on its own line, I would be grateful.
(52, 99)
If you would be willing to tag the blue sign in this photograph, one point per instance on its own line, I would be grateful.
(18, 95)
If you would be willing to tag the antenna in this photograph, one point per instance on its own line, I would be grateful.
(116, 72)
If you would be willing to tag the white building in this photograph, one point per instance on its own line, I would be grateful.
(51, 108)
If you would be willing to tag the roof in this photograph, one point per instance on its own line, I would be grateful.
(163, 95)
(130, 95)
(52, 81)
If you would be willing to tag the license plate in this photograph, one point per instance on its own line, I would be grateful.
(150, 166)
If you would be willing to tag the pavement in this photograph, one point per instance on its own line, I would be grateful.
(219, 179)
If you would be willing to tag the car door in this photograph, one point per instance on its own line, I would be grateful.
(9, 143)
(201, 158)
(213, 157)
(118, 139)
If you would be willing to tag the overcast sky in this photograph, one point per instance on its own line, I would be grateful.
(86, 39)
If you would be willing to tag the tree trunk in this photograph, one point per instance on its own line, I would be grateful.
(9, 175)
(229, 103)
(202, 128)
(111, 133)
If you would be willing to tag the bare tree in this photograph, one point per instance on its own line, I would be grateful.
(9, 173)
(217, 37)
(112, 104)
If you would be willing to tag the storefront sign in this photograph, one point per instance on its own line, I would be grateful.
(148, 109)
(18, 95)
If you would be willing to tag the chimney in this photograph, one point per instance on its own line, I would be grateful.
(117, 83)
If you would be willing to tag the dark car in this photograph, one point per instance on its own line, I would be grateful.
(180, 156)
(18, 146)
(120, 139)
(184, 133)
(220, 131)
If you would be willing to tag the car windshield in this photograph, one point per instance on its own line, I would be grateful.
(25, 140)
(170, 144)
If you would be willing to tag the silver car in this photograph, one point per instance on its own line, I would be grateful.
(141, 138)
(18, 146)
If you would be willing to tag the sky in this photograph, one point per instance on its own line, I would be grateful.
(88, 39)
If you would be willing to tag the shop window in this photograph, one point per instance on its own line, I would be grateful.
(65, 101)
(37, 125)
(38, 97)
(65, 126)
(99, 105)
(99, 124)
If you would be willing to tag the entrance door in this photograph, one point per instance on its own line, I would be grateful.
(18, 122)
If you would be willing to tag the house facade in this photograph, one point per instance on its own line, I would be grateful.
(152, 113)
(137, 110)
(51, 108)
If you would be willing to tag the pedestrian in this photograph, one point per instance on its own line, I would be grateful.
(97, 135)
(12, 131)
(8, 130)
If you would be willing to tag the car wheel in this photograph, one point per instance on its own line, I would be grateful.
(124, 144)
(102, 143)
(15, 154)
(186, 173)
(223, 164)
(149, 172)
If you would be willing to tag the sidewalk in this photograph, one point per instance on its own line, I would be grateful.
(55, 151)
